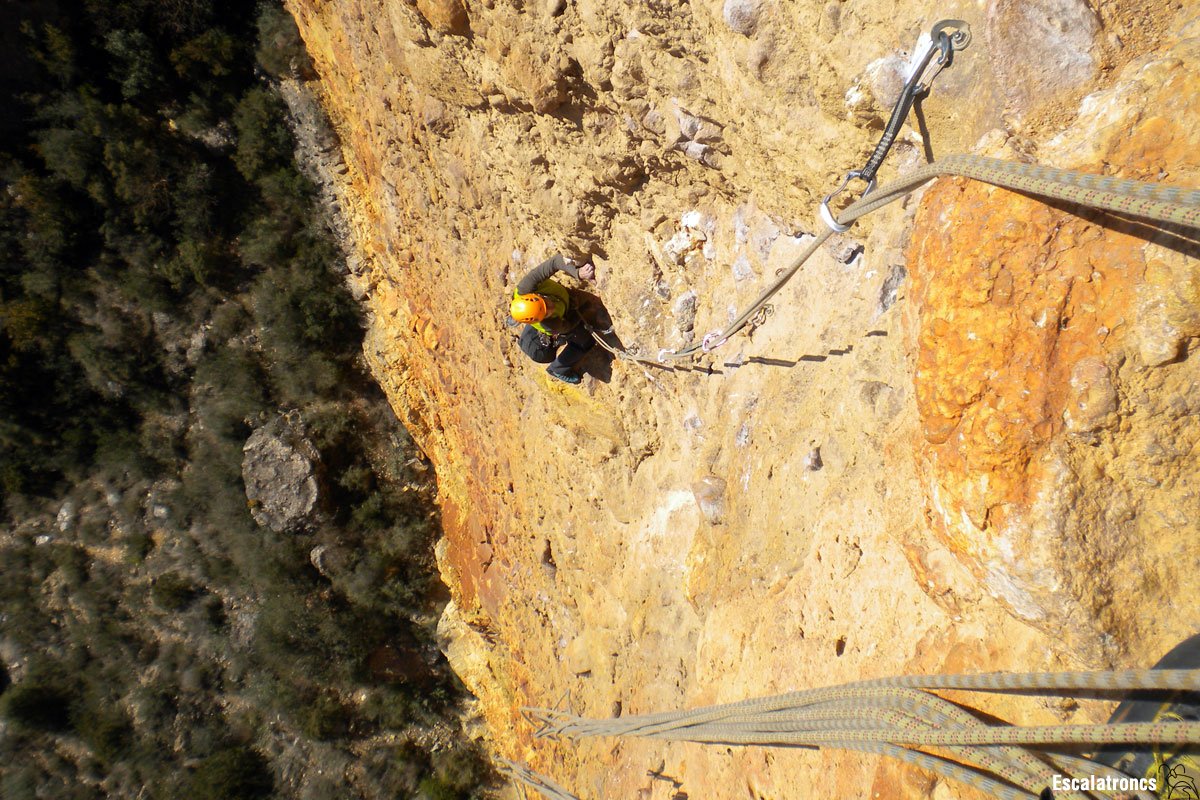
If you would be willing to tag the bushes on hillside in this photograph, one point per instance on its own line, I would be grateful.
(166, 287)
(234, 773)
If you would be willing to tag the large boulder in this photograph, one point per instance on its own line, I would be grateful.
(280, 467)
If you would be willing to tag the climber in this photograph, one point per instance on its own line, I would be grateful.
(552, 320)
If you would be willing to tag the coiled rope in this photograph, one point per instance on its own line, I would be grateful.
(896, 716)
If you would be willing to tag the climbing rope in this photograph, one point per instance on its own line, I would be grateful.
(895, 716)
(1167, 204)
(524, 777)
(1173, 205)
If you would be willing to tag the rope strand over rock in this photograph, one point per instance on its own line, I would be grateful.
(1168, 204)
(896, 716)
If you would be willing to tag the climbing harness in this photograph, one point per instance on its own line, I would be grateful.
(895, 716)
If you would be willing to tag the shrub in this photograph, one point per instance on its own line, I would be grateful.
(206, 57)
(264, 142)
(457, 774)
(106, 730)
(324, 718)
(172, 591)
(463, 769)
(134, 65)
(19, 782)
(39, 703)
(228, 391)
(234, 773)
(138, 545)
(280, 49)
(73, 562)
(70, 154)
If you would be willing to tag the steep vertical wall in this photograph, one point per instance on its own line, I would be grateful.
(1055, 380)
(861, 486)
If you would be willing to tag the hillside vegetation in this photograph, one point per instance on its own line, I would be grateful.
(167, 287)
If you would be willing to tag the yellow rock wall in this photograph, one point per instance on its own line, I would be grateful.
(1053, 375)
(953, 471)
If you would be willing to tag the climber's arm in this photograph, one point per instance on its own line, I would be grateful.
(544, 271)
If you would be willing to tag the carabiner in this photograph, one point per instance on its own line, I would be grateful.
(827, 215)
(945, 52)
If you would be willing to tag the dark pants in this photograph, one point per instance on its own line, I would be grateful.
(542, 348)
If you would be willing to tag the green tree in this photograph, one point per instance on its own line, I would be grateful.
(264, 144)
(280, 50)
(134, 65)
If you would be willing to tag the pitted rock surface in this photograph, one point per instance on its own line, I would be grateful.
(582, 560)
(1051, 347)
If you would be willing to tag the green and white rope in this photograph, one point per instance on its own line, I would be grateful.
(895, 716)
(526, 778)
(1167, 204)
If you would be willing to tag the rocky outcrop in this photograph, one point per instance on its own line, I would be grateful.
(1052, 374)
(1042, 48)
(279, 468)
(807, 505)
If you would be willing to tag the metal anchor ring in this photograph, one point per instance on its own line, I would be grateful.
(960, 37)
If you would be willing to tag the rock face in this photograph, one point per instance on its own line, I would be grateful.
(959, 430)
(1042, 47)
(1053, 374)
(447, 16)
(279, 468)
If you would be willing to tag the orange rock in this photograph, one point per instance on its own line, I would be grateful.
(452, 167)
(446, 16)
(1034, 327)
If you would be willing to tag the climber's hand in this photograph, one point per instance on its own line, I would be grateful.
(588, 272)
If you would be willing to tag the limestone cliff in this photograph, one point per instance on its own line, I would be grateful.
(963, 439)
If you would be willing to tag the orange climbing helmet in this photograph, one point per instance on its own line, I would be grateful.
(528, 308)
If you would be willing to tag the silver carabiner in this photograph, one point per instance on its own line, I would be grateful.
(945, 51)
(827, 215)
